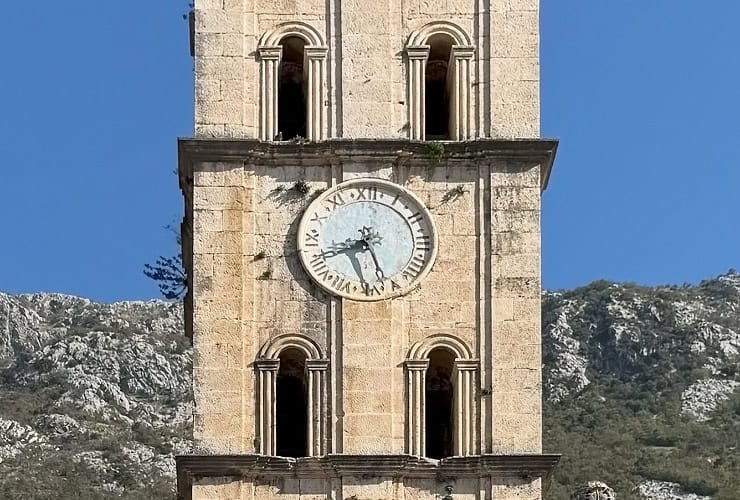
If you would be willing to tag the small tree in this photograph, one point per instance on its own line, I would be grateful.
(168, 272)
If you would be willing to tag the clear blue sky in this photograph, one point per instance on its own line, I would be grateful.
(643, 95)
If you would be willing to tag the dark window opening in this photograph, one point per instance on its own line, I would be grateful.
(292, 90)
(292, 410)
(437, 105)
(438, 387)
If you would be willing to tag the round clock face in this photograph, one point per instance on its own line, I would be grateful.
(367, 239)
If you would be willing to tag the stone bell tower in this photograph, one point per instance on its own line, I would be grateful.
(362, 241)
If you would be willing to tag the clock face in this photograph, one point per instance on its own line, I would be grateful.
(367, 239)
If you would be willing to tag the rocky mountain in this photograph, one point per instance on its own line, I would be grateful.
(641, 384)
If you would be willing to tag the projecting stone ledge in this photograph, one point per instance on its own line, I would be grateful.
(331, 471)
(195, 154)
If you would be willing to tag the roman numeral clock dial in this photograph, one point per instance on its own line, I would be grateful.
(367, 239)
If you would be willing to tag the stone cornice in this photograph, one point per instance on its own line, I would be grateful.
(396, 466)
(193, 151)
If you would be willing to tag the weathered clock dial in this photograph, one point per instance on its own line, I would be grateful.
(367, 239)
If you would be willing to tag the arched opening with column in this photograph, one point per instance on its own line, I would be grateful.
(292, 83)
(439, 86)
(291, 397)
(441, 380)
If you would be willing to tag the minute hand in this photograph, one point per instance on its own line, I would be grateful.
(378, 270)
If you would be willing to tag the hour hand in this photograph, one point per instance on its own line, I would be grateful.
(337, 248)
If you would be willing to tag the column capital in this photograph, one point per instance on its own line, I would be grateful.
(416, 364)
(466, 365)
(418, 51)
(273, 53)
(316, 52)
(267, 365)
(317, 365)
(463, 51)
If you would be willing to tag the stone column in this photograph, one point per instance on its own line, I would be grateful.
(415, 399)
(416, 93)
(315, 62)
(269, 83)
(266, 397)
(317, 372)
(460, 101)
(464, 391)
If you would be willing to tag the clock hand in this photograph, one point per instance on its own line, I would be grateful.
(368, 235)
(378, 270)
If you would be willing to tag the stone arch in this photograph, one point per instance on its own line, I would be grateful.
(267, 366)
(457, 82)
(465, 368)
(422, 35)
(270, 53)
(421, 349)
(310, 35)
(273, 348)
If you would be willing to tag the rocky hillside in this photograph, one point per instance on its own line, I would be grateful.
(641, 391)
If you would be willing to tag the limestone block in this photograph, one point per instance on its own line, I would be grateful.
(517, 332)
(370, 488)
(513, 243)
(217, 21)
(516, 198)
(221, 402)
(518, 287)
(521, 402)
(209, 129)
(214, 330)
(218, 425)
(516, 488)
(220, 379)
(516, 379)
(371, 425)
(217, 488)
(215, 197)
(517, 356)
(219, 356)
(527, 309)
(365, 379)
(519, 221)
(516, 175)
(516, 266)
(371, 402)
(503, 308)
(207, 90)
(208, 4)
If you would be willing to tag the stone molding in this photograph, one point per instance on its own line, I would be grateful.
(191, 467)
(191, 152)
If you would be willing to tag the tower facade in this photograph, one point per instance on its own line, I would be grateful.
(362, 242)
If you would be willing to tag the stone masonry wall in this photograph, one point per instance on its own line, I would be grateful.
(365, 85)
(366, 488)
(484, 289)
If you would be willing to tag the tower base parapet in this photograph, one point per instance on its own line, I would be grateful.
(363, 477)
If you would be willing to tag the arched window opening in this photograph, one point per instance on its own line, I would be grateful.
(437, 87)
(439, 404)
(292, 90)
(291, 419)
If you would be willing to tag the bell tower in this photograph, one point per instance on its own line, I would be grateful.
(362, 243)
